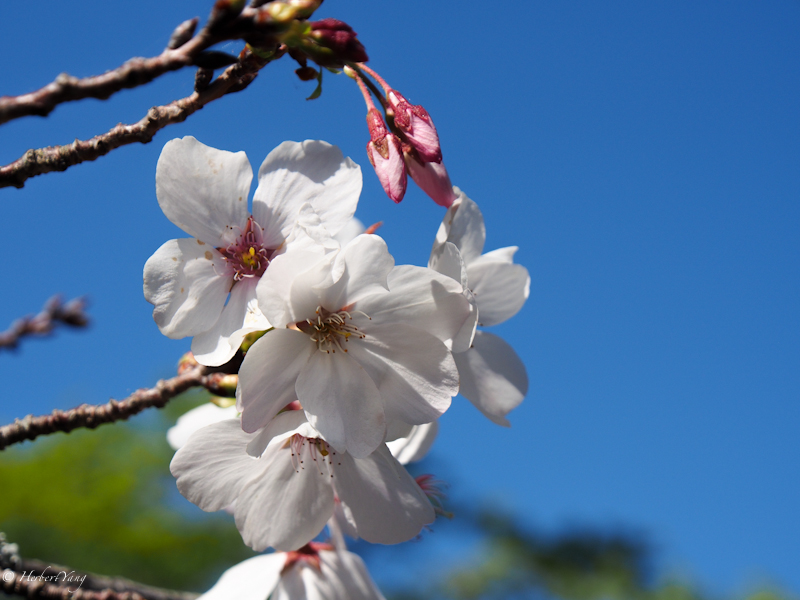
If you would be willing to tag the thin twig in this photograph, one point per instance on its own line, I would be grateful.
(54, 313)
(35, 579)
(97, 586)
(59, 158)
(184, 49)
(90, 416)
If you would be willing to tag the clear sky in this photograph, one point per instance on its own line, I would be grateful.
(645, 157)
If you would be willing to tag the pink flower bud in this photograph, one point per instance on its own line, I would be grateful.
(386, 156)
(415, 122)
(340, 38)
(432, 177)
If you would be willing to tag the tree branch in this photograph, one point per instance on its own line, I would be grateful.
(184, 49)
(20, 577)
(54, 312)
(59, 158)
(90, 416)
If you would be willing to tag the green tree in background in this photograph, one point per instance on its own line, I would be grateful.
(577, 565)
(101, 501)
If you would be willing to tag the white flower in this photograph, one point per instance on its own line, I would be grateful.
(413, 446)
(357, 341)
(205, 286)
(283, 480)
(195, 419)
(316, 572)
(492, 376)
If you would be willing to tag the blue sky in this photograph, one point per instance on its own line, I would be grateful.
(645, 157)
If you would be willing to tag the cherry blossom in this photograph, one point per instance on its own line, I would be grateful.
(413, 446)
(386, 157)
(205, 286)
(417, 125)
(431, 177)
(315, 571)
(195, 419)
(358, 341)
(283, 480)
(492, 376)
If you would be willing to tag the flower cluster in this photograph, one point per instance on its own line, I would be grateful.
(348, 359)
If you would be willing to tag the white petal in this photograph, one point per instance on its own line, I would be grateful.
(351, 575)
(353, 228)
(342, 523)
(416, 445)
(240, 316)
(500, 289)
(181, 279)
(505, 255)
(446, 259)
(281, 427)
(195, 419)
(415, 372)
(493, 377)
(387, 504)
(422, 298)
(268, 374)
(253, 579)
(365, 264)
(463, 339)
(290, 586)
(309, 230)
(342, 403)
(287, 505)
(213, 465)
(463, 226)
(397, 429)
(314, 172)
(204, 190)
(286, 292)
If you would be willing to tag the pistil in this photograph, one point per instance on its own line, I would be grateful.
(247, 256)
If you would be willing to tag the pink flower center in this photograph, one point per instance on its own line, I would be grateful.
(247, 256)
(308, 554)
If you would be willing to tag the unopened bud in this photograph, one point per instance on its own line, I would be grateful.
(251, 338)
(284, 12)
(182, 34)
(222, 384)
(417, 125)
(376, 125)
(223, 402)
(386, 156)
(186, 362)
(340, 38)
(224, 11)
(306, 73)
(432, 178)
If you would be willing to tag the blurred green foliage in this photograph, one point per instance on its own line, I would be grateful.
(576, 565)
(104, 501)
